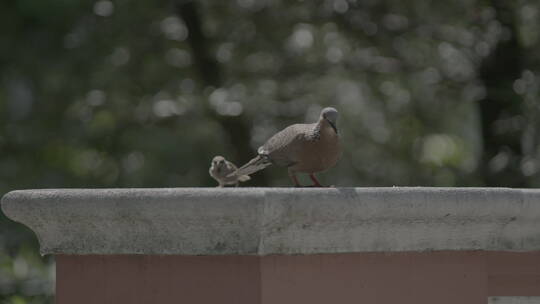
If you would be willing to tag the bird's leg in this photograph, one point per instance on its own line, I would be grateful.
(292, 175)
(315, 181)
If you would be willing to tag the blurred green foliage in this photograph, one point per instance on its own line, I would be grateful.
(144, 93)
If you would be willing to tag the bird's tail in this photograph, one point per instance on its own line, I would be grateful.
(258, 163)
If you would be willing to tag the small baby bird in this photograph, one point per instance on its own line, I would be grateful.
(221, 168)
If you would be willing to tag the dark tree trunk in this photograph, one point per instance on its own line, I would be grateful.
(502, 109)
(236, 127)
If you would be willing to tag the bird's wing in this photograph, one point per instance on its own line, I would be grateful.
(230, 166)
(227, 169)
(283, 147)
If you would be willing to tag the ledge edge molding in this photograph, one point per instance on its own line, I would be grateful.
(264, 221)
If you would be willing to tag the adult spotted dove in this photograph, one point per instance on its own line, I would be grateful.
(220, 169)
(302, 148)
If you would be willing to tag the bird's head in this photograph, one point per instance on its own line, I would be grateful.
(330, 115)
(218, 162)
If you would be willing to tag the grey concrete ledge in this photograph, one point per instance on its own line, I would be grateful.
(262, 221)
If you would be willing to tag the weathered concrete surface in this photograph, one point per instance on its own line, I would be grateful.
(263, 221)
(140, 221)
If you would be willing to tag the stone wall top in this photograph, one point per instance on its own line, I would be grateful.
(263, 221)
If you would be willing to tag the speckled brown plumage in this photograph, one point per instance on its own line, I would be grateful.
(303, 148)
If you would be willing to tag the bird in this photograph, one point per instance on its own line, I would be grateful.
(302, 148)
(220, 168)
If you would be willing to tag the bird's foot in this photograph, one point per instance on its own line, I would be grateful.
(316, 182)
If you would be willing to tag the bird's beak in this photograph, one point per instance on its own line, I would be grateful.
(332, 125)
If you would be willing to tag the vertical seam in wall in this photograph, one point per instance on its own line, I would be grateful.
(261, 224)
(260, 246)
(484, 259)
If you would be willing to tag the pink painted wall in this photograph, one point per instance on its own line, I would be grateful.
(374, 278)
(134, 279)
(438, 277)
